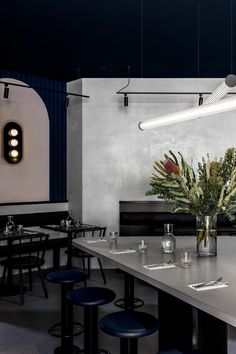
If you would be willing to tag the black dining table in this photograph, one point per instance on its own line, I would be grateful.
(71, 231)
(6, 242)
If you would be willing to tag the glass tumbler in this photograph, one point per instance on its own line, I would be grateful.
(186, 259)
(142, 246)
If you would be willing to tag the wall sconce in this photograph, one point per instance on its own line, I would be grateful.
(12, 142)
(126, 100)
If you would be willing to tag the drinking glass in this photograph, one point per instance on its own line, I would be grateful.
(142, 246)
(62, 222)
(113, 236)
(186, 259)
(20, 227)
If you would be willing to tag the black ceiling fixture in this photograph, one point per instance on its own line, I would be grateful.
(6, 91)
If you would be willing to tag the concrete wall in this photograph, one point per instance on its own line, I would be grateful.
(117, 157)
(74, 150)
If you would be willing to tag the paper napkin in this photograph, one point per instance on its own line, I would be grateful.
(122, 251)
(207, 287)
(96, 241)
(159, 266)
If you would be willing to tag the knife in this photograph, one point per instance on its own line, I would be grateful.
(208, 283)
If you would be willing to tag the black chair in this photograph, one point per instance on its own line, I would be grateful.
(90, 298)
(66, 279)
(98, 232)
(28, 254)
(129, 326)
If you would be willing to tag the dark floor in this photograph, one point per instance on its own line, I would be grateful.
(24, 329)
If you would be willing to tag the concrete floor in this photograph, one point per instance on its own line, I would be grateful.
(24, 329)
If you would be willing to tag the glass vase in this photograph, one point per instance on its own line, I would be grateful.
(168, 240)
(10, 225)
(206, 236)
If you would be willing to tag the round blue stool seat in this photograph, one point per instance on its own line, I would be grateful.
(133, 324)
(66, 276)
(92, 296)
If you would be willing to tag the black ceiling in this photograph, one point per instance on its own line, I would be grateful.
(101, 38)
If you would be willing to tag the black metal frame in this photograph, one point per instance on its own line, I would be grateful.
(6, 83)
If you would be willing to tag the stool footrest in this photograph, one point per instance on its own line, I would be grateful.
(55, 330)
(122, 303)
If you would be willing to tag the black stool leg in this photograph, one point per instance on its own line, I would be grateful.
(102, 271)
(89, 267)
(128, 346)
(67, 346)
(90, 330)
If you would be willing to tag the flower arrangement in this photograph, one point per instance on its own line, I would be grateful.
(207, 192)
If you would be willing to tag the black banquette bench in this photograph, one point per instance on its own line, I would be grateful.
(146, 218)
(39, 219)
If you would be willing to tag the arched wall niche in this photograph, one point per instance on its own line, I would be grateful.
(27, 181)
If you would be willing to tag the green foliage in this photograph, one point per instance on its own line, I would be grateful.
(212, 190)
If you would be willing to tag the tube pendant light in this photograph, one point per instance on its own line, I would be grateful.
(224, 105)
(222, 90)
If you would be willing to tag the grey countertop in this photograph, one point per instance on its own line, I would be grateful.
(220, 303)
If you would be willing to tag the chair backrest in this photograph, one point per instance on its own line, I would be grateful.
(30, 245)
(96, 232)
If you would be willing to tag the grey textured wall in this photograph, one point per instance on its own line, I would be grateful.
(74, 150)
(117, 157)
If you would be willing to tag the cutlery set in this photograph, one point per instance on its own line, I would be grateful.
(212, 283)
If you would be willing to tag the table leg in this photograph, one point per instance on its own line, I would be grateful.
(69, 250)
(56, 258)
(176, 323)
(215, 340)
(10, 289)
(183, 327)
(129, 302)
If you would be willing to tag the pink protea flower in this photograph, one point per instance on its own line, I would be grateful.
(171, 167)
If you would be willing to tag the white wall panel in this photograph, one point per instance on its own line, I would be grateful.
(28, 180)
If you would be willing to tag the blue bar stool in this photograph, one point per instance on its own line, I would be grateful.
(90, 298)
(129, 326)
(66, 278)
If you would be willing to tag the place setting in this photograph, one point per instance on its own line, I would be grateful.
(141, 247)
(209, 285)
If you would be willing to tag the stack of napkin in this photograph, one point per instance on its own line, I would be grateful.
(159, 266)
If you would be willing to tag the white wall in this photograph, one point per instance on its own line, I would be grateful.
(29, 179)
(117, 157)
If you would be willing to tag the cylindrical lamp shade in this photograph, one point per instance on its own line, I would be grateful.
(222, 90)
(225, 105)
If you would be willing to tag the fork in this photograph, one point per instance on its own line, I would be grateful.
(207, 283)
